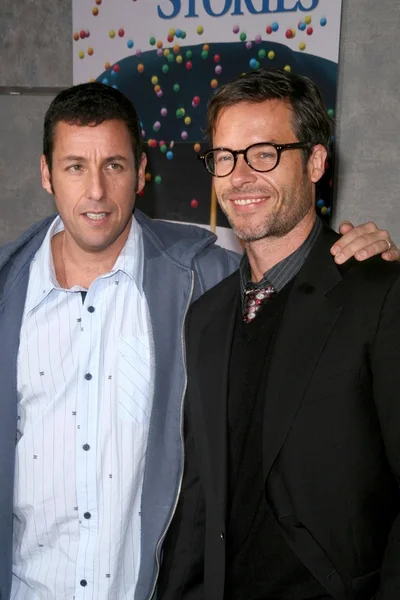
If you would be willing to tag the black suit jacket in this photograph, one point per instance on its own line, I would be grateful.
(331, 432)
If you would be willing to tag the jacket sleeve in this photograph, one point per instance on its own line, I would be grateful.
(385, 366)
(182, 567)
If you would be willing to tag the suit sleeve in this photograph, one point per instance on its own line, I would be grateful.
(182, 567)
(385, 364)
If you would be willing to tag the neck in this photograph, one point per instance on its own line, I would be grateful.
(75, 266)
(265, 253)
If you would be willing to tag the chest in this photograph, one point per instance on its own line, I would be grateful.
(75, 352)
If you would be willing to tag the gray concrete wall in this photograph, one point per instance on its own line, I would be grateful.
(36, 52)
(35, 58)
(368, 115)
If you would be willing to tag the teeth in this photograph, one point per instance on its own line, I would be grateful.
(96, 216)
(247, 201)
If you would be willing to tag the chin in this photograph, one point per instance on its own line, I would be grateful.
(250, 233)
(249, 236)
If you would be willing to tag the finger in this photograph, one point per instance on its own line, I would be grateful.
(345, 226)
(392, 254)
(353, 234)
(379, 247)
(363, 247)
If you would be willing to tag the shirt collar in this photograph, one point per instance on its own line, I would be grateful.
(42, 277)
(280, 274)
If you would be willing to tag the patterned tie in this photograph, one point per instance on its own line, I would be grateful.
(254, 299)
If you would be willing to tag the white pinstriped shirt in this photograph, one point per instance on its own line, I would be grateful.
(85, 389)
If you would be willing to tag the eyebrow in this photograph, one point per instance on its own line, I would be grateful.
(108, 159)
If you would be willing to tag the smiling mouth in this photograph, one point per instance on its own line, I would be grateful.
(247, 201)
(95, 216)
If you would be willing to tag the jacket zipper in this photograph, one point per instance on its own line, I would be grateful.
(182, 441)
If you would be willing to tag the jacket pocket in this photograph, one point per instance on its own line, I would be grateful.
(134, 379)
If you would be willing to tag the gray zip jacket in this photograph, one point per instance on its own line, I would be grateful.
(181, 262)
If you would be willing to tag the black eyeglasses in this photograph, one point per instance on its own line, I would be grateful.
(262, 157)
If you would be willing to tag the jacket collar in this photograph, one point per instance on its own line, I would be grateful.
(180, 243)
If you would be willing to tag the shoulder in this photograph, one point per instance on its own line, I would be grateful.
(28, 242)
(369, 286)
(191, 246)
(375, 271)
(213, 264)
(168, 232)
(358, 277)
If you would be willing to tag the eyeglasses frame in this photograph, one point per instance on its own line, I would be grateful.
(278, 147)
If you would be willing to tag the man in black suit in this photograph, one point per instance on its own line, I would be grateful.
(292, 429)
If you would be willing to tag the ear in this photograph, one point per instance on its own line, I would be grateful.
(141, 173)
(46, 177)
(316, 163)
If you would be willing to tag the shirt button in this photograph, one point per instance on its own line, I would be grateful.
(91, 309)
(87, 515)
(88, 376)
(83, 582)
(86, 447)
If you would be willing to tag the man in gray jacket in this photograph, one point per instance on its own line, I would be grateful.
(92, 363)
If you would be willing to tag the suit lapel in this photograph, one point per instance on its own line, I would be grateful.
(214, 358)
(306, 324)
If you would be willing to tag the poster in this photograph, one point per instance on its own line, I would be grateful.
(169, 56)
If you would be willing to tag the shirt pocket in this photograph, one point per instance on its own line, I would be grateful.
(134, 379)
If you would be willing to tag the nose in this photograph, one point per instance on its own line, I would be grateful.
(95, 185)
(242, 173)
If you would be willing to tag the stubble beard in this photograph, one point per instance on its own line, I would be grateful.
(296, 204)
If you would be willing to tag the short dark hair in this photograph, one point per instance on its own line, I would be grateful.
(311, 122)
(91, 104)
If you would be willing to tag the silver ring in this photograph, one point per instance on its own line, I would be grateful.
(389, 243)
